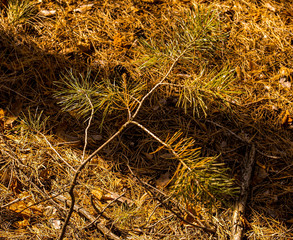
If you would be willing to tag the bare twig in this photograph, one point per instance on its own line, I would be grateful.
(162, 142)
(231, 132)
(121, 199)
(14, 201)
(161, 220)
(242, 139)
(87, 128)
(285, 168)
(267, 155)
(152, 213)
(78, 171)
(54, 149)
(103, 214)
(41, 201)
(10, 89)
(157, 85)
(239, 211)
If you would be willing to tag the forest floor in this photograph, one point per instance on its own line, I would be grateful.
(56, 55)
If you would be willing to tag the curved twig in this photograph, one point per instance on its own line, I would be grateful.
(77, 173)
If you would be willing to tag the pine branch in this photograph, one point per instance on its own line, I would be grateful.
(196, 177)
(108, 97)
(89, 158)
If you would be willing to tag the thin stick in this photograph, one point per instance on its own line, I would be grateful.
(50, 145)
(242, 139)
(150, 216)
(231, 132)
(10, 89)
(164, 219)
(41, 201)
(87, 128)
(158, 84)
(14, 201)
(162, 142)
(239, 211)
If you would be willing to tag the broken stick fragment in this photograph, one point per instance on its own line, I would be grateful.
(239, 211)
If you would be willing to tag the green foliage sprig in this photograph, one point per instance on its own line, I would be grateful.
(106, 96)
(21, 12)
(198, 178)
(198, 91)
(199, 36)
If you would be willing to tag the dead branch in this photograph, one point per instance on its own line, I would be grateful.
(239, 211)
